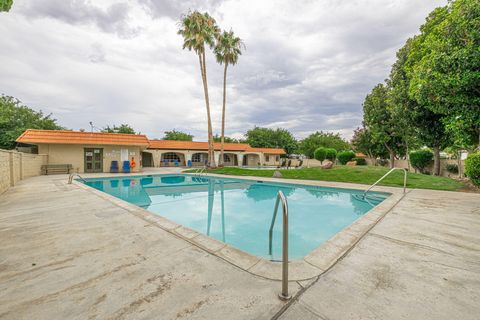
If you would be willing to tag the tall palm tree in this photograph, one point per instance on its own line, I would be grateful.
(199, 30)
(227, 50)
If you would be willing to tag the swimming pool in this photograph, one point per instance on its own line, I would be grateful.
(239, 212)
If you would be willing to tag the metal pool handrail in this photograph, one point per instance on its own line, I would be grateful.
(386, 174)
(281, 197)
(70, 177)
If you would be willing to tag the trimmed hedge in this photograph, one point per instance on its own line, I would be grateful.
(360, 161)
(452, 168)
(320, 154)
(421, 159)
(472, 167)
(331, 154)
(345, 156)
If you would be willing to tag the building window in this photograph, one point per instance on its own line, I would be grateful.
(199, 157)
(267, 158)
(226, 158)
(171, 157)
(277, 158)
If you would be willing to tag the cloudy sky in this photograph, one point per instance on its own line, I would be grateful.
(307, 65)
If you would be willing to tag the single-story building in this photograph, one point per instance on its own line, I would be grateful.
(169, 153)
(95, 151)
(87, 151)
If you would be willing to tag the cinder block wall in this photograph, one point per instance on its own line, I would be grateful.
(16, 166)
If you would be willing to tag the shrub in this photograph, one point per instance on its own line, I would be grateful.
(472, 167)
(421, 159)
(345, 156)
(331, 154)
(320, 154)
(452, 168)
(382, 162)
(360, 161)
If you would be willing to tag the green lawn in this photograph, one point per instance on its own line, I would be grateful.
(359, 174)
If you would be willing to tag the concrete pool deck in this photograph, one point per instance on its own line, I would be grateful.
(67, 253)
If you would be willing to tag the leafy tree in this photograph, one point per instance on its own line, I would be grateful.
(227, 50)
(378, 120)
(362, 141)
(217, 138)
(447, 77)
(272, 138)
(177, 135)
(421, 159)
(416, 123)
(5, 5)
(123, 128)
(320, 154)
(199, 30)
(472, 167)
(322, 139)
(345, 156)
(331, 154)
(15, 118)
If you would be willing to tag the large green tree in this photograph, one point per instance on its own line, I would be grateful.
(415, 123)
(319, 139)
(15, 118)
(5, 5)
(446, 74)
(123, 128)
(227, 50)
(362, 141)
(199, 30)
(378, 120)
(272, 138)
(177, 135)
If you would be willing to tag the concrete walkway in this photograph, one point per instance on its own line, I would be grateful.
(422, 261)
(66, 253)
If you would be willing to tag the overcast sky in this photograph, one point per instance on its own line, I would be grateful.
(307, 65)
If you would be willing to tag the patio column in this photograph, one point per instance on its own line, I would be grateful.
(240, 159)
(188, 157)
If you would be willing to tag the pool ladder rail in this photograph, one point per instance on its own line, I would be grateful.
(200, 171)
(281, 198)
(70, 177)
(384, 176)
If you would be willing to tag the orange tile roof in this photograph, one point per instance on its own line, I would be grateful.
(195, 145)
(33, 136)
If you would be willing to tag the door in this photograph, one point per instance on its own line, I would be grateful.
(93, 160)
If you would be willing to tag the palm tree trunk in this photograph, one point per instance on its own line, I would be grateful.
(203, 68)
(220, 162)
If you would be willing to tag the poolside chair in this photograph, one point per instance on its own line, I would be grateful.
(114, 167)
(126, 166)
(189, 163)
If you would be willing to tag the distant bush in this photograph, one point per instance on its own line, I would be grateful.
(472, 167)
(452, 168)
(331, 154)
(345, 156)
(360, 161)
(320, 154)
(421, 159)
(382, 162)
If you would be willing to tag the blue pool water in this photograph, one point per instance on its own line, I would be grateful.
(239, 212)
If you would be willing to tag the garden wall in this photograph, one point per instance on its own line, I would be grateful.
(16, 166)
(443, 165)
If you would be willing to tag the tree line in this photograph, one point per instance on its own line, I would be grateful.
(432, 95)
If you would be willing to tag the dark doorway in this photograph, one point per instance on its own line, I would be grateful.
(147, 159)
